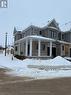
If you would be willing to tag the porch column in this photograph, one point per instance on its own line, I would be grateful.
(19, 49)
(30, 47)
(51, 49)
(39, 46)
(26, 48)
(61, 49)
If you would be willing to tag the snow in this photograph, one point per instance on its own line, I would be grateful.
(52, 27)
(68, 58)
(41, 38)
(38, 69)
(36, 37)
(60, 61)
(64, 42)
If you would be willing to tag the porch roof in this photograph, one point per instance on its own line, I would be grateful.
(35, 37)
(41, 38)
(64, 42)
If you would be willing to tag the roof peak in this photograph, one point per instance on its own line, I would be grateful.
(54, 24)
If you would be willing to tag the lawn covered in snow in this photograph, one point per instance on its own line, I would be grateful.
(38, 69)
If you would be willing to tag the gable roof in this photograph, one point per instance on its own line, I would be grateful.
(54, 24)
(31, 26)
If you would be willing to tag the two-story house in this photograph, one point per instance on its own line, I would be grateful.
(48, 41)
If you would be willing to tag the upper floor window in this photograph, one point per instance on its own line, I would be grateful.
(63, 37)
(16, 48)
(23, 35)
(40, 32)
(19, 36)
(53, 34)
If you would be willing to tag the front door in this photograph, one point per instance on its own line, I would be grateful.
(48, 51)
(54, 51)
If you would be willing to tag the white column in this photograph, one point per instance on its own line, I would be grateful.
(26, 48)
(61, 49)
(39, 46)
(19, 48)
(30, 47)
(51, 49)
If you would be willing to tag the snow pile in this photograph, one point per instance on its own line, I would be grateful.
(59, 61)
(20, 68)
(68, 58)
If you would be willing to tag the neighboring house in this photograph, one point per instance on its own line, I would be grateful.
(10, 50)
(48, 41)
(1, 49)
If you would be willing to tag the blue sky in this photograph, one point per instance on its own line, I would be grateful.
(22, 13)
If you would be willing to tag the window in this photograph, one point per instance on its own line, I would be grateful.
(37, 46)
(63, 48)
(16, 48)
(21, 52)
(40, 32)
(63, 37)
(53, 34)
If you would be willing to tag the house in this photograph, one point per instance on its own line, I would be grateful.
(10, 50)
(48, 41)
(1, 49)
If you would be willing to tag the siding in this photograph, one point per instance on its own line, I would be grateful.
(35, 48)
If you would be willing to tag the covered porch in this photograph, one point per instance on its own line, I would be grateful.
(37, 46)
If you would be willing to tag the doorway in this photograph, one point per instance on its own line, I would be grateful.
(53, 51)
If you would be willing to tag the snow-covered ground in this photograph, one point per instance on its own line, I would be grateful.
(38, 69)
